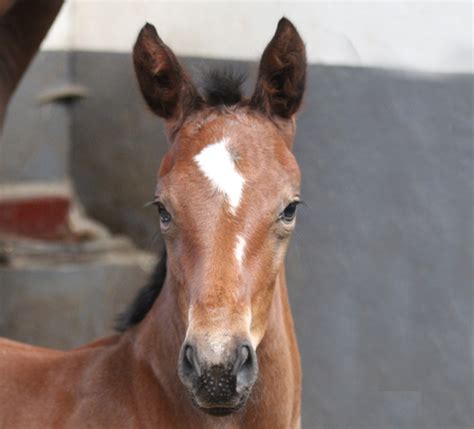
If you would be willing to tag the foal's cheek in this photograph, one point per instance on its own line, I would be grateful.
(176, 267)
(283, 232)
(263, 275)
(183, 302)
(280, 246)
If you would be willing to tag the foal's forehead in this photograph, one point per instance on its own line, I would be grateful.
(221, 142)
(229, 167)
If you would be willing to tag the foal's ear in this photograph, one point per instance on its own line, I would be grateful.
(282, 73)
(164, 84)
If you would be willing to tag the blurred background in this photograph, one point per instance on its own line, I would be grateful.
(381, 265)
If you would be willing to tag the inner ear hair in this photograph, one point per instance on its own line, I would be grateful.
(282, 73)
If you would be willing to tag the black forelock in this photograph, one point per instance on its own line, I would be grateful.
(223, 87)
(144, 299)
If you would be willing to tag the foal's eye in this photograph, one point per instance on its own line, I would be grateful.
(288, 215)
(165, 216)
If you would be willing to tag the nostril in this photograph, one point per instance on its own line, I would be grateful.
(245, 353)
(245, 368)
(244, 359)
(190, 364)
(188, 356)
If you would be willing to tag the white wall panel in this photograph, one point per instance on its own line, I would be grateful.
(409, 35)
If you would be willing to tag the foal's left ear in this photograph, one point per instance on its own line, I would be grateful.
(282, 73)
(165, 85)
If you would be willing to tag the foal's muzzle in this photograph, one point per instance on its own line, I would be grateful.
(218, 388)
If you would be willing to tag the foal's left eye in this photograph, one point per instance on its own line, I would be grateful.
(288, 215)
(165, 216)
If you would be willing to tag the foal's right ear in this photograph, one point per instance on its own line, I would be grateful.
(282, 73)
(164, 84)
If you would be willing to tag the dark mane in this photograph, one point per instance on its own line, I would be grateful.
(222, 87)
(145, 298)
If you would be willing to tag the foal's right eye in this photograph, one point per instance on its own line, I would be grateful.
(288, 215)
(165, 216)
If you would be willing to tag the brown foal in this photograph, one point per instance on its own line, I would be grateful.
(210, 343)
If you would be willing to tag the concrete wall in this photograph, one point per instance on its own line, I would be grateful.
(35, 142)
(380, 268)
(64, 295)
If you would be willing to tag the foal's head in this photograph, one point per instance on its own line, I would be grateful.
(227, 193)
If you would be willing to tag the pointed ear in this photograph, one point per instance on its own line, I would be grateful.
(282, 73)
(164, 84)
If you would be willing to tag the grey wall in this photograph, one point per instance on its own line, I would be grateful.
(34, 144)
(380, 268)
(382, 262)
(64, 295)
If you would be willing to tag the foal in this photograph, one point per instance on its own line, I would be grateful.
(210, 342)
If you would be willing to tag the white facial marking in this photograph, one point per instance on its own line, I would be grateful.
(253, 338)
(218, 165)
(217, 343)
(240, 249)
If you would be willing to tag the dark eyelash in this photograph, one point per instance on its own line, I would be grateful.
(154, 202)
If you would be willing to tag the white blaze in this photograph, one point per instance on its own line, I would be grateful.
(218, 165)
(240, 249)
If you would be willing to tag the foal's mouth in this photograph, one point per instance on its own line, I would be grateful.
(220, 410)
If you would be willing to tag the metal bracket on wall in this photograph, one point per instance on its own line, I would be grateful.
(64, 93)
